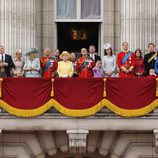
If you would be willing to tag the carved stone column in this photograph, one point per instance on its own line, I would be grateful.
(156, 140)
(17, 24)
(138, 23)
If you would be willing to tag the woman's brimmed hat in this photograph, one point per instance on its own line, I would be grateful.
(107, 46)
(32, 50)
(65, 53)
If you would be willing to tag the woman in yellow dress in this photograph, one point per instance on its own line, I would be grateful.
(65, 67)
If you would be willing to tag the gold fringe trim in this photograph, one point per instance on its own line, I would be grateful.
(78, 113)
(1, 80)
(26, 113)
(131, 113)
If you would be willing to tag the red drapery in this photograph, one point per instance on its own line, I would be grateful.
(26, 93)
(78, 93)
(28, 97)
(131, 93)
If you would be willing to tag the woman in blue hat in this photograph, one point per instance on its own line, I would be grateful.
(32, 65)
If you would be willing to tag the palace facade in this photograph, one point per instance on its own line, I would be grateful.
(71, 25)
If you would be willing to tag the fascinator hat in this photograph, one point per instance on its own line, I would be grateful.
(107, 46)
(32, 50)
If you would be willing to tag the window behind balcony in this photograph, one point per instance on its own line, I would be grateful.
(78, 10)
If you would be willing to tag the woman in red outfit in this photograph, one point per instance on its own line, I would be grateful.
(139, 67)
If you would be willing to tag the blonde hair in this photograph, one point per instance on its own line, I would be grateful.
(72, 55)
(18, 51)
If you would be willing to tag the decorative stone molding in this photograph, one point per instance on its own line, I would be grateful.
(77, 140)
(139, 150)
(14, 150)
(156, 140)
(30, 140)
(48, 141)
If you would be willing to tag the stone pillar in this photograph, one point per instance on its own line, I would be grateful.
(17, 24)
(138, 23)
(108, 22)
(49, 26)
(39, 25)
(117, 26)
(156, 139)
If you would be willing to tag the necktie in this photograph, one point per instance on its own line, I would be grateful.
(2, 58)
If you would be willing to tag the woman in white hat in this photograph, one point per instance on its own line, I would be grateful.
(65, 67)
(32, 65)
(18, 62)
(109, 61)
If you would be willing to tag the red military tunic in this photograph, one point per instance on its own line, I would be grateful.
(48, 68)
(129, 62)
(83, 68)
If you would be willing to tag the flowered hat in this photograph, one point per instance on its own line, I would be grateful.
(32, 50)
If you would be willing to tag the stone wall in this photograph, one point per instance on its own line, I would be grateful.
(45, 25)
(112, 23)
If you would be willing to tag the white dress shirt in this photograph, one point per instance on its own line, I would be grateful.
(3, 57)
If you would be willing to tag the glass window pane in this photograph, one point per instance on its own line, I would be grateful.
(91, 9)
(66, 9)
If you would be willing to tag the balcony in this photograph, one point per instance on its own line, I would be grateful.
(110, 104)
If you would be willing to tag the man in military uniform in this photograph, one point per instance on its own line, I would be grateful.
(126, 61)
(85, 65)
(149, 59)
(48, 64)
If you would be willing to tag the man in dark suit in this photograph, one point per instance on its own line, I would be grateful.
(6, 63)
(93, 54)
(149, 59)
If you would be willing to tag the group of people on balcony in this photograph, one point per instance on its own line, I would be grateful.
(87, 66)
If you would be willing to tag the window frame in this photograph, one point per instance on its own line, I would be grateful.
(78, 14)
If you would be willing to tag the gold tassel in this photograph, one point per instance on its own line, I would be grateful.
(104, 93)
(52, 92)
(156, 87)
(1, 80)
